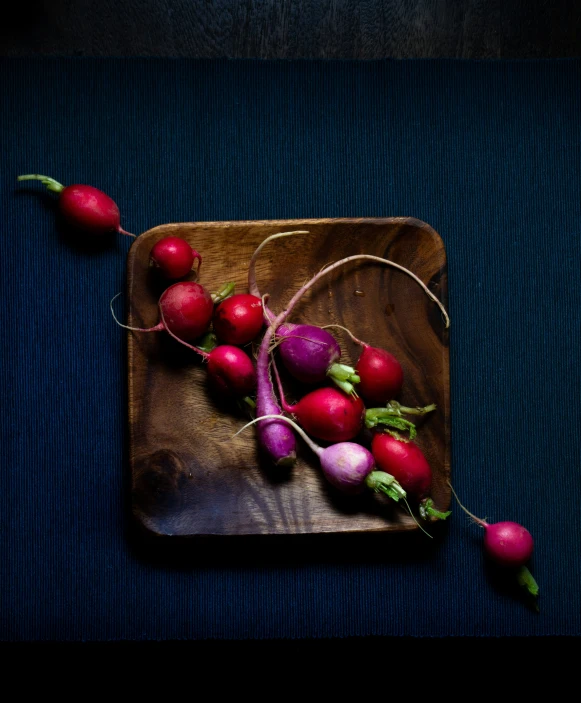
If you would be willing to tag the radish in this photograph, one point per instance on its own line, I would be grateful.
(238, 319)
(326, 413)
(174, 257)
(266, 402)
(406, 462)
(84, 207)
(507, 544)
(185, 309)
(230, 370)
(380, 373)
(346, 465)
(310, 354)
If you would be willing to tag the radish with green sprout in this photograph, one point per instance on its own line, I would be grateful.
(309, 353)
(174, 257)
(380, 373)
(347, 466)
(270, 433)
(406, 462)
(83, 207)
(326, 413)
(507, 544)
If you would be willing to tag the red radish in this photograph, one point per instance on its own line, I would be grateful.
(84, 207)
(266, 403)
(406, 462)
(380, 373)
(507, 544)
(174, 257)
(326, 413)
(185, 309)
(238, 319)
(346, 465)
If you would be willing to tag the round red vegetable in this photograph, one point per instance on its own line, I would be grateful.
(174, 257)
(186, 310)
(404, 461)
(238, 319)
(326, 413)
(230, 370)
(380, 375)
(84, 207)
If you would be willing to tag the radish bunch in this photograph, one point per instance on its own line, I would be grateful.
(371, 440)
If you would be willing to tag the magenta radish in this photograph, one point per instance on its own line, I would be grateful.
(265, 400)
(238, 319)
(309, 353)
(407, 464)
(346, 465)
(84, 207)
(507, 544)
(174, 257)
(186, 310)
(326, 413)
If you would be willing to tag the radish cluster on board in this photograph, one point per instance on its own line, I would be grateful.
(345, 400)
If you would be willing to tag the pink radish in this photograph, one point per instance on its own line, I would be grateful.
(406, 462)
(346, 465)
(507, 544)
(266, 403)
(326, 413)
(174, 257)
(238, 319)
(185, 309)
(84, 207)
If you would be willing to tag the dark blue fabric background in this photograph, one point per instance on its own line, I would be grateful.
(487, 153)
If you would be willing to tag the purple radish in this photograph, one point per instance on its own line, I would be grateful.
(347, 466)
(185, 309)
(309, 353)
(507, 544)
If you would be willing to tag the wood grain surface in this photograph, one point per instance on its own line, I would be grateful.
(189, 477)
(365, 29)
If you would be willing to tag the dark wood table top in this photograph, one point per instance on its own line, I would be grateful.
(349, 29)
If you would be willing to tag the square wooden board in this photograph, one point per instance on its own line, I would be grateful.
(188, 476)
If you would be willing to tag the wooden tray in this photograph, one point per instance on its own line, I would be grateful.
(188, 477)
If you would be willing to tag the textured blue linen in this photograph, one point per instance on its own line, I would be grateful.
(486, 153)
